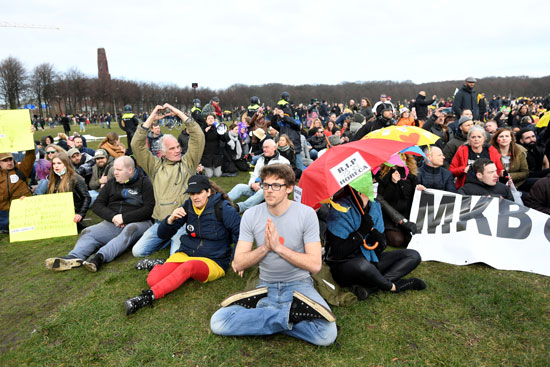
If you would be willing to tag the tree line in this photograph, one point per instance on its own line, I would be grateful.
(73, 92)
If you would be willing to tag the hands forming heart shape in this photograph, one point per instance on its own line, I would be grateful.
(160, 112)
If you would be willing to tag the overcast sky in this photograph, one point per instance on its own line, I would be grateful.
(220, 43)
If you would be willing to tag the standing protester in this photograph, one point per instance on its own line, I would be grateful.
(466, 98)
(129, 123)
(421, 105)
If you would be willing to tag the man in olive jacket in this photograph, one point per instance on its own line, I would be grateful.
(169, 174)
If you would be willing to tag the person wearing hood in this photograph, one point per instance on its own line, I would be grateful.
(211, 224)
(421, 105)
(486, 181)
(466, 98)
(383, 119)
(125, 204)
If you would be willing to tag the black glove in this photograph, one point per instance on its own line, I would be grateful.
(409, 226)
(366, 224)
(376, 236)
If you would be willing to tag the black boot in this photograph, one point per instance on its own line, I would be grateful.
(304, 308)
(144, 299)
(94, 262)
(148, 264)
(403, 285)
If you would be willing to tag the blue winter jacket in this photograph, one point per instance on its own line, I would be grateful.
(206, 236)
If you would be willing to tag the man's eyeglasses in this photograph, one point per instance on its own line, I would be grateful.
(51, 152)
(274, 186)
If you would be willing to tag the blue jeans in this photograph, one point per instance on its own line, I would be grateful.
(254, 198)
(42, 187)
(299, 163)
(313, 154)
(271, 316)
(4, 220)
(150, 242)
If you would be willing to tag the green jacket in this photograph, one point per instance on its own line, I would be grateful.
(169, 178)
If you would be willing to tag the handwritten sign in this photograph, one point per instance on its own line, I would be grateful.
(349, 169)
(15, 131)
(42, 216)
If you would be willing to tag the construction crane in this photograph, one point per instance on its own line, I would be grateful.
(18, 25)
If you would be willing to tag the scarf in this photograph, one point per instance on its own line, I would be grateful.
(284, 148)
(235, 144)
(218, 110)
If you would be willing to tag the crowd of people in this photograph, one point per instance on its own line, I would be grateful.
(157, 193)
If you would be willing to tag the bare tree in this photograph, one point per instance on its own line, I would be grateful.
(12, 81)
(42, 84)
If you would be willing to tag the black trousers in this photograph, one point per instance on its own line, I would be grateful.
(392, 266)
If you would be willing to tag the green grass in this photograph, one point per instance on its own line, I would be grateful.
(472, 315)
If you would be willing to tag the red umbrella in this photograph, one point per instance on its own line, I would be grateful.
(342, 164)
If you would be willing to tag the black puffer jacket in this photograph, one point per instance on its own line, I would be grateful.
(135, 200)
(466, 98)
(475, 187)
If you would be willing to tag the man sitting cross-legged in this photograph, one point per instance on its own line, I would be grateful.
(288, 250)
(125, 203)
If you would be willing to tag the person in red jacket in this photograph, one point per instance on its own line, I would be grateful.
(468, 153)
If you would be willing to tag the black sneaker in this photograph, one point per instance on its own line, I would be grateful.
(414, 284)
(362, 293)
(63, 263)
(94, 262)
(248, 299)
(304, 308)
(148, 264)
(144, 299)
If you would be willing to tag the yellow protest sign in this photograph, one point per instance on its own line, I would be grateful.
(15, 131)
(42, 216)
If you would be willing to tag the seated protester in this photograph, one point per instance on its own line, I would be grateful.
(512, 155)
(539, 196)
(125, 204)
(467, 154)
(406, 118)
(306, 158)
(437, 124)
(82, 163)
(333, 141)
(42, 166)
(432, 174)
(62, 141)
(318, 142)
(13, 183)
(78, 142)
(63, 178)
(537, 161)
(168, 174)
(355, 245)
(212, 156)
(317, 124)
(233, 155)
(491, 128)
(486, 181)
(345, 132)
(153, 140)
(257, 139)
(47, 140)
(522, 118)
(288, 250)
(465, 123)
(285, 124)
(395, 194)
(286, 149)
(384, 118)
(101, 172)
(212, 224)
(330, 128)
(355, 124)
(112, 145)
(252, 190)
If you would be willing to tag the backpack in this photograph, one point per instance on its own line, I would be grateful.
(218, 209)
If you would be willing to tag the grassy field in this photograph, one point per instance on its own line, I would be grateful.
(472, 315)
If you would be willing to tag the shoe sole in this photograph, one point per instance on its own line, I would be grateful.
(128, 307)
(90, 266)
(241, 295)
(59, 264)
(323, 311)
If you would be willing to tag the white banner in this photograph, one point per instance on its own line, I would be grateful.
(462, 230)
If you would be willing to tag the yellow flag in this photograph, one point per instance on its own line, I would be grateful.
(15, 131)
(42, 216)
